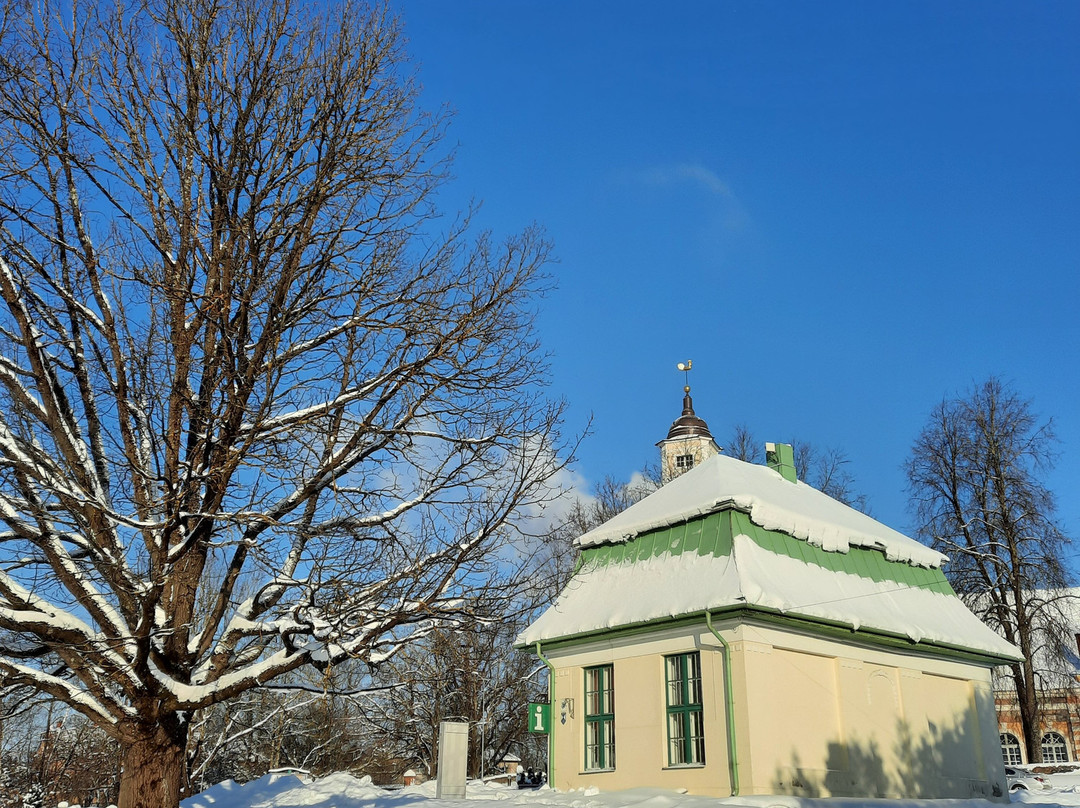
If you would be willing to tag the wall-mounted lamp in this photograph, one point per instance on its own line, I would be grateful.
(566, 708)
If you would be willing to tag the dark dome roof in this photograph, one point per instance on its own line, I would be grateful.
(688, 425)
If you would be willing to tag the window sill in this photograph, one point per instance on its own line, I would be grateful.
(682, 766)
(595, 771)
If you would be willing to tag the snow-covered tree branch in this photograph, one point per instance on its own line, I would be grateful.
(254, 413)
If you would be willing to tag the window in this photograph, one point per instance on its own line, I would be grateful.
(1010, 749)
(685, 720)
(599, 718)
(684, 462)
(1054, 749)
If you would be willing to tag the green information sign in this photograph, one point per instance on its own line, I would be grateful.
(539, 717)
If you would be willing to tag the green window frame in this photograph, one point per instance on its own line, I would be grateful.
(599, 718)
(685, 718)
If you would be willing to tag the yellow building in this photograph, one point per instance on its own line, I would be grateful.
(739, 632)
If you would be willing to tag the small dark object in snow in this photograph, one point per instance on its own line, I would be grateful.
(531, 778)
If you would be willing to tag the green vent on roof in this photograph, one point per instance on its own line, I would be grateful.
(781, 457)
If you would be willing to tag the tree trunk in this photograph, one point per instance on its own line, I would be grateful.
(1028, 704)
(153, 768)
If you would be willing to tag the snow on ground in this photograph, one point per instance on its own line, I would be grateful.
(345, 791)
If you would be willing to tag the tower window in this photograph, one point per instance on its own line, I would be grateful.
(684, 462)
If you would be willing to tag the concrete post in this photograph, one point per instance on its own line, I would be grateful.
(453, 760)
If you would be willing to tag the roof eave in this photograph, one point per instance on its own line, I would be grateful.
(814, 624)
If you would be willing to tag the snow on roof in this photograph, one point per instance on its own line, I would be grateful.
(772, 502)
(610, 595)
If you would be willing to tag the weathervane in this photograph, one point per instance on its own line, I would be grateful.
(685, 368)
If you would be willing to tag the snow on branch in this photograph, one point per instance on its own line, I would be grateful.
(256, 413)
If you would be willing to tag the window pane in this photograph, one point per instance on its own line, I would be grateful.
(671, 668)
(599, 691)
(693, 665)
(697, 737)
(592, 746)
(675, 681)
(677, 738)
(592, 691)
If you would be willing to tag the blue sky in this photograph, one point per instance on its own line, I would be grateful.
(842, 211)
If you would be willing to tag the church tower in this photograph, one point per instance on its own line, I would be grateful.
(688, 443)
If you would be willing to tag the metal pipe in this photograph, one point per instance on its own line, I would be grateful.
(729, 693)
(551, 716)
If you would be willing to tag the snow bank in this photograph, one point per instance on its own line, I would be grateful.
(344, 791)
(338, 790)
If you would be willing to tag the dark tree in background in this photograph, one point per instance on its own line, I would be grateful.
(475, 676)
(255, 412)
(977, 482)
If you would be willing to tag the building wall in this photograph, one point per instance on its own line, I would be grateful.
(701, 449)
(814, 717)
(640, 742)
(837, 719)
(1060, 713)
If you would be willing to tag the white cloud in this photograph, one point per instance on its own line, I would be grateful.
(565, 488)
(702, 178)
(705, 178)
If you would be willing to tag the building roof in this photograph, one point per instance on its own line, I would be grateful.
(798, 509)
(689, 424)
(730, 535)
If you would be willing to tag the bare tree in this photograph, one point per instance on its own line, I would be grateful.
(743, 445)
(477, 675)
(976, 475)
(474, 676)
(257, 731)
(556, 554)
(611, 497)
(254, 412)
(826, 469)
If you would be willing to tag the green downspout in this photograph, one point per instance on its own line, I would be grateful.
(551, 714)
(729, 692)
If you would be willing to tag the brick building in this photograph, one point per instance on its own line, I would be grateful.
(1059, 702)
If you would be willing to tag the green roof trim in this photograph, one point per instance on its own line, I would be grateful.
(713, 534)
(864, 562)
(706, 535)
(764, 616)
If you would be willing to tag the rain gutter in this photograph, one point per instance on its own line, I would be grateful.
(729, 697)
(551, 715)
